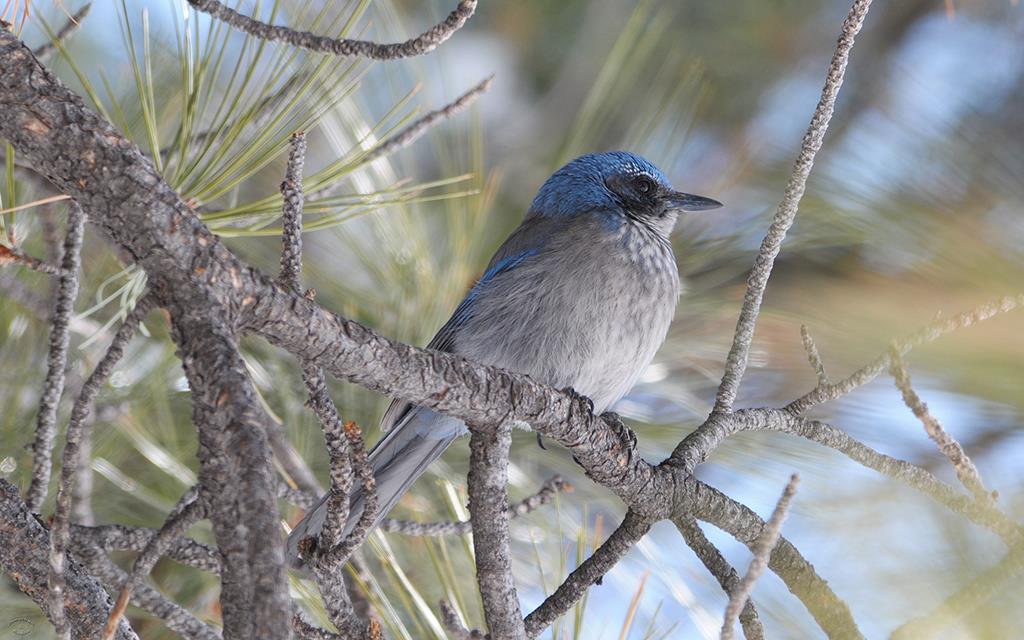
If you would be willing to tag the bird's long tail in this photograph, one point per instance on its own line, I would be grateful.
(397, 460)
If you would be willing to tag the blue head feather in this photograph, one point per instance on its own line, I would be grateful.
(582, 185)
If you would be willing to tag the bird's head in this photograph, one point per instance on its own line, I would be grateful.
(616, 184)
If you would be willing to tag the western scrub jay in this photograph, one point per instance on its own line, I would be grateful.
(581, 295)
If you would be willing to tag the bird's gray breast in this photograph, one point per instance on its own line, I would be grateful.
(588, 311)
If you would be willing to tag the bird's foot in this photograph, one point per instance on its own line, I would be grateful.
(576, 395)
(626, 435)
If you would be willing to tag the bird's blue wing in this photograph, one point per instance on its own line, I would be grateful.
(445, 338)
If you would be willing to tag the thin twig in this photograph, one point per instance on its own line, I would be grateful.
(173, 615)
(547, 492)
(762, 550)
(412, 133)
(118, 537)
(189, 510)
(454, 626)
(421, 44)
(341, 476)
(739, 353)
(982, 589)
(10, 255)
(723, 572)
(415, 131)
(813, 356)
(592, 569)
(488, 499)
(326, 568)
(291, 213)
(72, 25)
(371, 506)
(53, 387)
(77, 440)
(932, 331)
(965, 470)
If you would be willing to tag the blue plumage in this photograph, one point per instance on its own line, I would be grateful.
(581, 295)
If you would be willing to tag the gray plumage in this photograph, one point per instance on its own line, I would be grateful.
(581, 295)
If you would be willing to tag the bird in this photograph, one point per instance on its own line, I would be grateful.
(579, 296)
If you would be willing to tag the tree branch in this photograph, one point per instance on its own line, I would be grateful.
(627, 534)
(53, 387)
(24, 549)
(117, 537)
(421, 44)
(720, 568)
(929, 333)
(488, 497)
(171, 614)
(72, 25)
(78, 433)
(189, 510)
(765, 544)
(739, 353)
(966, 472)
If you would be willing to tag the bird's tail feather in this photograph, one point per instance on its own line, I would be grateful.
(397, 460)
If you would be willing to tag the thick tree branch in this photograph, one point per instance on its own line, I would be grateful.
(24, 552)
(197, 280)
(739, 353)
(421, 44)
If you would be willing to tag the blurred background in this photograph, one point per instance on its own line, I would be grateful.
(914, 209)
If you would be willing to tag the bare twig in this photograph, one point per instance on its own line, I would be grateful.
(411, 133)
(830, 612)
(736, 363)
(724, 572)
(933, 331)
(966, 472)
(72, 460)
(363, 471)
(53, 387)
(990, 584)
(189, 510)
(176, 617)
(621, 540)
(72, 25)
(117, 537)
(424, 43)
(548, 490)
(9, 255)
(488, 497)
(454, 626)
(769, 537)
(813, 356)
(415, 131)
(291, 214)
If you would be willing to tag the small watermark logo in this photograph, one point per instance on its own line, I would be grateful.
(19, 627)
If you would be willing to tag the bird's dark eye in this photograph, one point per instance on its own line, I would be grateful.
(644, 185)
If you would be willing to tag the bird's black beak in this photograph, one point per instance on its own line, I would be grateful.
(689, 202)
